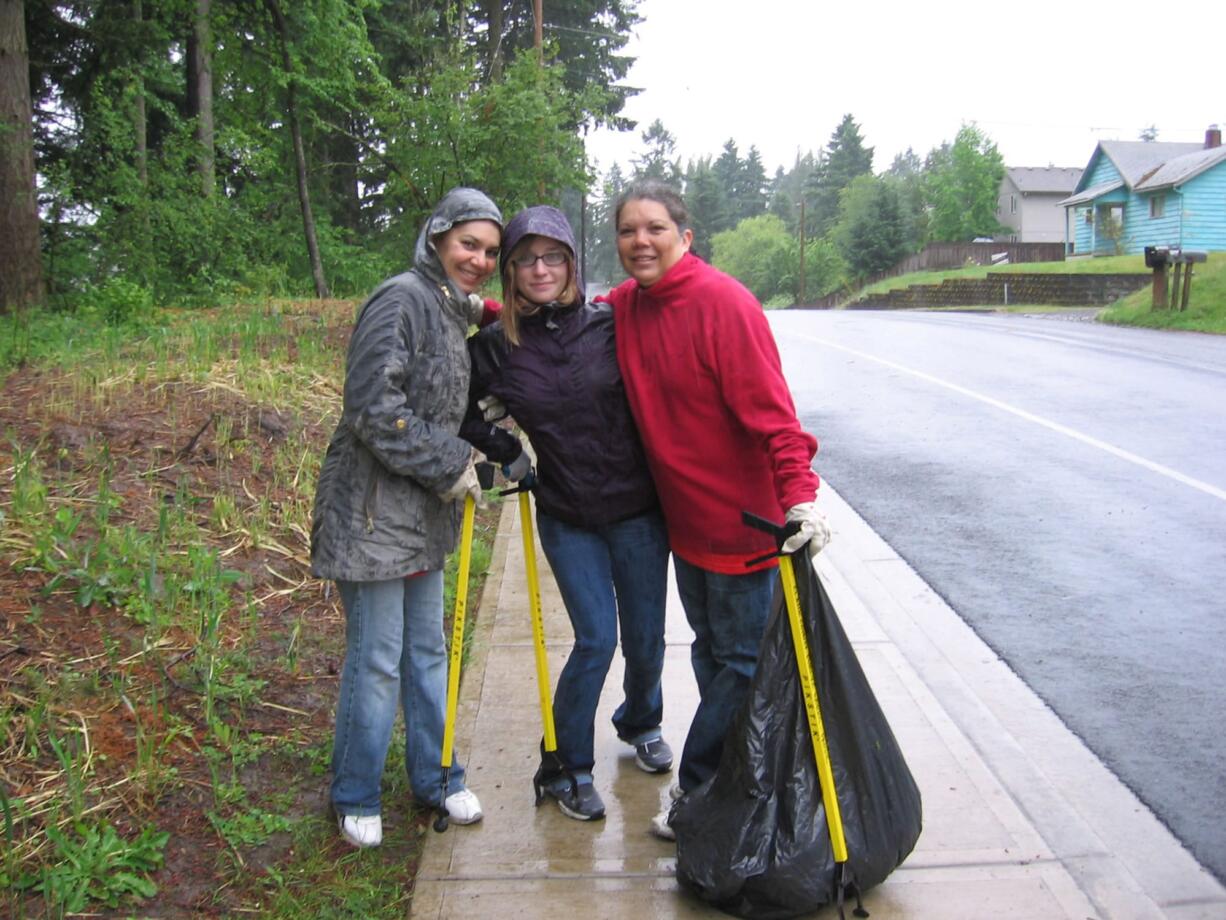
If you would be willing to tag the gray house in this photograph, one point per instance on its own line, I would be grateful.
(1029, 203)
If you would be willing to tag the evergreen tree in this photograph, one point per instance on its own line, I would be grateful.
(751, 191)
(907, 174)
(726, 171)
(603, 265)
(590, 37)
(844, 158)
(656, 161)
(707, 201)
(871, 232)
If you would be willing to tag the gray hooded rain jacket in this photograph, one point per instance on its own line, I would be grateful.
(377, 512)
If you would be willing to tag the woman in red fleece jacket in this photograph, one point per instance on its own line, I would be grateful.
(707, 391)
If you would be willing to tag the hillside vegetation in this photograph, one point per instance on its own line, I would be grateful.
(1206, 303)
(168, 666)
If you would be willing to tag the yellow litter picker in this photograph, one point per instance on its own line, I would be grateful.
(808, 686)
(549, 743)
(485, 475)
(812, 802)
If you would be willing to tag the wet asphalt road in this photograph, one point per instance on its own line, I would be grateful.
(1062, 485)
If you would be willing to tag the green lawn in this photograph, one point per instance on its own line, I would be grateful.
(1206, 304)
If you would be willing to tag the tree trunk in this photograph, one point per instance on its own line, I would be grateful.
(200, 94)
(300, 164)
(21, 266)
(140, 122)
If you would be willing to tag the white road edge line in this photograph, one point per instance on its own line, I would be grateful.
(1028, 416)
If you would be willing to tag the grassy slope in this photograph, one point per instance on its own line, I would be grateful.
(1206, 304)
(166, 662)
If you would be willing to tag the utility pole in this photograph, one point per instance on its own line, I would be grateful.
(802, 251)
(538, 33)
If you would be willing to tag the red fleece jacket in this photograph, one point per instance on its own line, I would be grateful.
(706, 387)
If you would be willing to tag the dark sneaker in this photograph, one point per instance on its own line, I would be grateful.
(579, 800)
(654, 755)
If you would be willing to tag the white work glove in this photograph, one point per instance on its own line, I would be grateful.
(813, 529)
(467, 483)
(518, 468)
(475, 309)
(492, 408)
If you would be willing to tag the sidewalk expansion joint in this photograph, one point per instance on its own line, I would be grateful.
(670, 872)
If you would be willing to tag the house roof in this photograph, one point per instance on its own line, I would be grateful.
(1093, 193)
(1181, 169)
(1051, 179)
(1136, 159)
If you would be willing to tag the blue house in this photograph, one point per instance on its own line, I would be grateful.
(1134, 194)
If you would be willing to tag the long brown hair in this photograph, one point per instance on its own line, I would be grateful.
(514, 304)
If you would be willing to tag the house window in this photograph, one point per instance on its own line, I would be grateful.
(1012, 204)
(1157, 205)
(1089, 215)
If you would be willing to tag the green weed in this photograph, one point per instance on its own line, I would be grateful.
(92, 863)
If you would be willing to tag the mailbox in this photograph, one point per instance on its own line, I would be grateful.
(1156, 256)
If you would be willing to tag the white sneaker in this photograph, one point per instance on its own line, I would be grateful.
(463, 807)
(660, 828)
(361, 830)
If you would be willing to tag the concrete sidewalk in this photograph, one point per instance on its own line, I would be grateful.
(1020, 819)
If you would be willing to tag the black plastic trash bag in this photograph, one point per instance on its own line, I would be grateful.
(753, 840)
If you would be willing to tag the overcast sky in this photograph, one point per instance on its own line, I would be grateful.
(1045, 80)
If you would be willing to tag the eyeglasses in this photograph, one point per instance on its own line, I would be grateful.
(553, 259)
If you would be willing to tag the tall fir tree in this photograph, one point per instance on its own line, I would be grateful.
(844, 158)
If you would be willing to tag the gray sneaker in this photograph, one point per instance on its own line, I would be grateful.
(578, 800)
(653, 755)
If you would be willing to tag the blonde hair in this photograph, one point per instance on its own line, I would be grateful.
(515, 305)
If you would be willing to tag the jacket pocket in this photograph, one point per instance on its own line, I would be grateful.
(370, 504)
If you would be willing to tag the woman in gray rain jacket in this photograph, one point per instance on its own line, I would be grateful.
(387, 511)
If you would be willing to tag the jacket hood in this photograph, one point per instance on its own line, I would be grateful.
(456, 207)
(541, 220)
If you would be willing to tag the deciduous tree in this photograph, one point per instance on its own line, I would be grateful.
(963, 182)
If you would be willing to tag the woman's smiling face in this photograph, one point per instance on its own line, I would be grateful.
(649, 242)
(536, 278)
(469, 253)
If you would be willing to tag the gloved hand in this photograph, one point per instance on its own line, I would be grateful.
(813, 529)
(474, 309)
(492, 408)
(518, 468)
(467, 483)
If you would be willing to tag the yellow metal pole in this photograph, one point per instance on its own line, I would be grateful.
(457, 629)
(817, 730)
(538, 624)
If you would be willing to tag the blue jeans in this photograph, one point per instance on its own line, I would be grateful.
(616, 572)
(728, 614)
(395, 654)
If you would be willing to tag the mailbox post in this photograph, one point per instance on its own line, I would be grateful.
(1158, 258)
(1155, 258)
